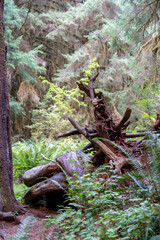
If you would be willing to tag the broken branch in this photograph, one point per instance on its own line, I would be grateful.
(123, 120)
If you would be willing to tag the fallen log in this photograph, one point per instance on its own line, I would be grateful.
(40, 173)
(74, 162)
(56, 183)
(104, 139)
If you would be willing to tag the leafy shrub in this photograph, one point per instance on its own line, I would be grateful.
(51, 117)
(107, 209)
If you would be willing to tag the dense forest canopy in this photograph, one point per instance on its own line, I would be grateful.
(125, 36)
(88, 65)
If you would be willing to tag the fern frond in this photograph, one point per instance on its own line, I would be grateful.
(24, 229)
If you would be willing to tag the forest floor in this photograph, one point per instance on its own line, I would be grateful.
(36, 233)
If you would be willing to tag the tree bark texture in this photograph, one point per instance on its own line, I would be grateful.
(7, 199)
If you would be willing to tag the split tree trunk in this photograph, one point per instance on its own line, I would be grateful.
(8, 201)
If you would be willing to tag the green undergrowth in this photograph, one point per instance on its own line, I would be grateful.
(100, 210)
(123, 207)
(23, 230)
(19, 190)
(27, 155)
(104, 206)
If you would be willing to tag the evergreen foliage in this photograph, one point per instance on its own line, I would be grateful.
(117, 31)
(51, 117)
(22, 65)
(23, 62)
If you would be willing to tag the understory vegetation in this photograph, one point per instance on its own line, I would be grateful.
(101, 205)
(120, 207)
(27, 155)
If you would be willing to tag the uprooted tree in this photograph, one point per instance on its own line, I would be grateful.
(108, 139)
(107, 136)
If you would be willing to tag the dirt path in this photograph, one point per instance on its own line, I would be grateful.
(37, 233)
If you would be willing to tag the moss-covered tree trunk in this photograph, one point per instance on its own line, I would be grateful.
(7, 198)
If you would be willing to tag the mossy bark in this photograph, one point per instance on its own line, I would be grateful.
(7, 198)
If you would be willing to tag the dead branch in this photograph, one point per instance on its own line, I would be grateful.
(48, 159)
(123, 120)
(137, 134)
(75, 132)
(83, 87)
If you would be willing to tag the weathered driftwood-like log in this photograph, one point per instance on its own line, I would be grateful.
(56, 183)
(40, 173)
(74, 162)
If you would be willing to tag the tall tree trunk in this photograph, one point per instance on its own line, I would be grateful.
(7, 198)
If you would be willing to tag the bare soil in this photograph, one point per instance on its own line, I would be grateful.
(36, 233)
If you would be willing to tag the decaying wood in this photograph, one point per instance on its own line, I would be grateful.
(39, 173)
(55, 183)
(50, 179)
(76, 132)
(137, 134)
(74, 162)
(119, 162)
(46, 181)
(107, 131)
(156, 125)
(123, 120)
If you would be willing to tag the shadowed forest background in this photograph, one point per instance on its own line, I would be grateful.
(52, 45)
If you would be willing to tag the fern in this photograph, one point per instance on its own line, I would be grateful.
(24, 229)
